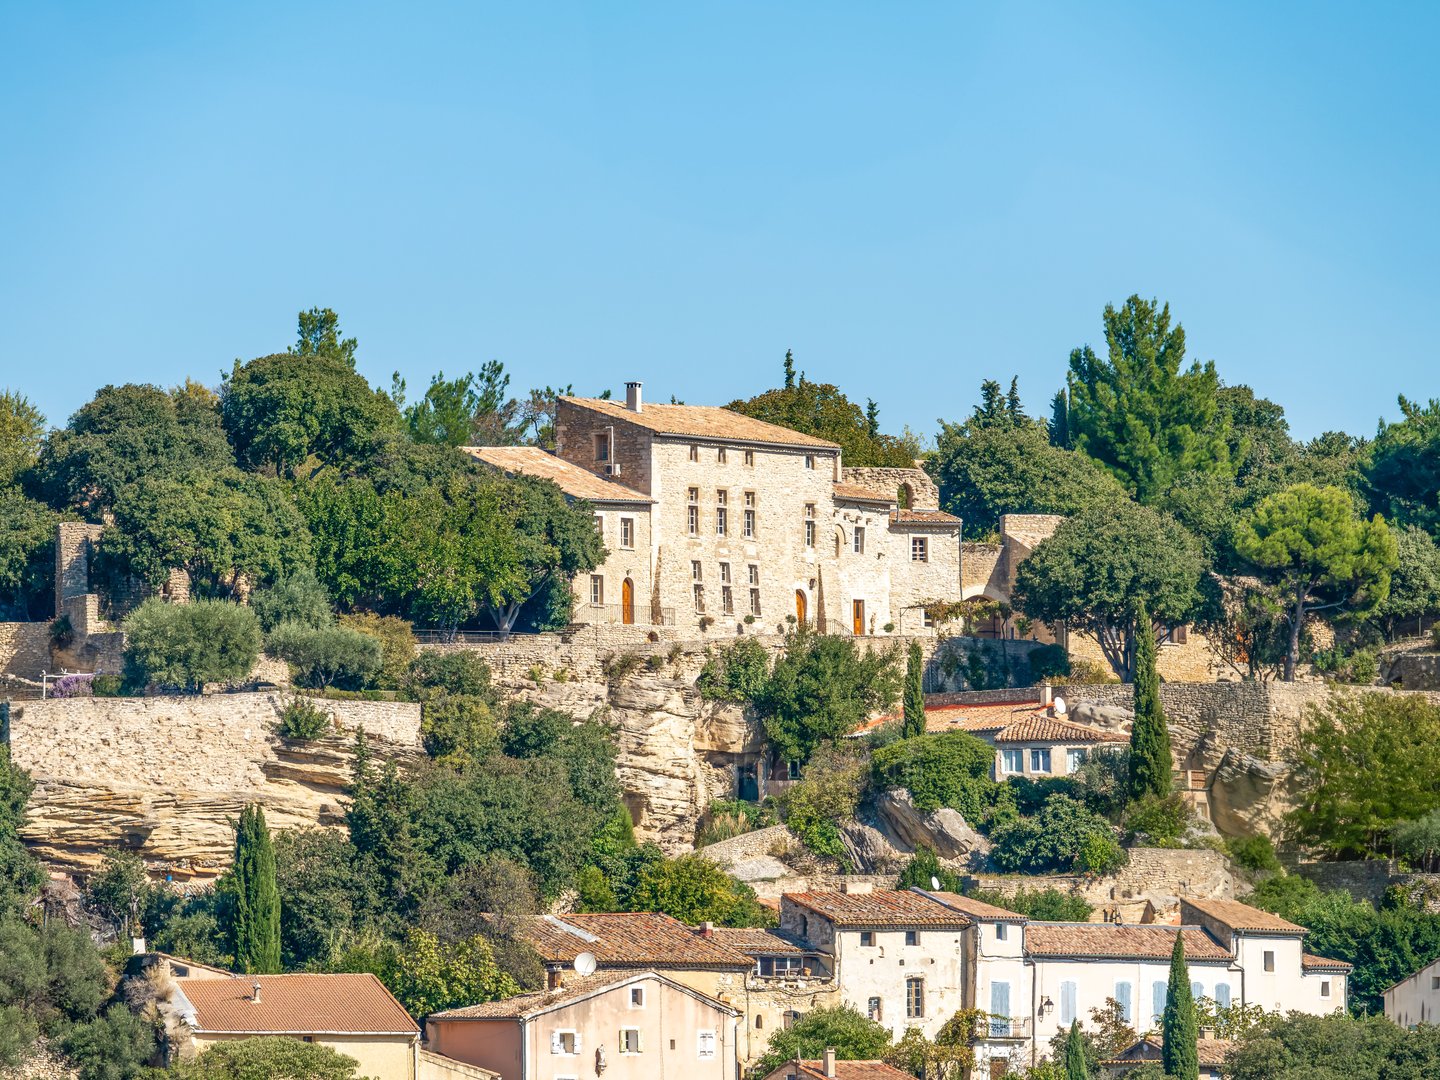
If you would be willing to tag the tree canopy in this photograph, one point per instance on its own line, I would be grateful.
(853, 1038)
(1403, 473)
(22, 435)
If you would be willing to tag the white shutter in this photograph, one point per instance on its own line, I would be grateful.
(577, 1042)
(555, 1047)
(706, 1045)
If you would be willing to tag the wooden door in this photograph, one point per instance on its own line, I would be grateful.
(627, 602)
(857, 608)
(800, 606)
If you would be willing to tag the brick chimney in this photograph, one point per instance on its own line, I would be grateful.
(633, 401)
(707, 929)
(829, 1063)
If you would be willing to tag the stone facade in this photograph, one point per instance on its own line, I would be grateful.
(24, 649)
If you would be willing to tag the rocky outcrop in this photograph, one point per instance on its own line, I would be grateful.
(945, 831)
(166, 776)
(869, 851)
(1105, 717)
(1248, 795)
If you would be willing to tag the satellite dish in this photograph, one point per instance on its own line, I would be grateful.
(585, 964)
(1060, 706)
(934, 883)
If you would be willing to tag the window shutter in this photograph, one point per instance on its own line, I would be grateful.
(1222, 995)
(1067, 1002)
(555, 1043)
(1197, 991)
(1157, 1000)
(577, 1042)
(1000, 998)
(1122, 995)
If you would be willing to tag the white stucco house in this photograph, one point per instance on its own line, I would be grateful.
(1415, 1000)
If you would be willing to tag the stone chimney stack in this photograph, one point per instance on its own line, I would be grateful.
(255, 992)
(707, 929)
(633, 400)
(829, 1069)
(554, 977)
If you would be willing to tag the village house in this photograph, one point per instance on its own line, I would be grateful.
(624, 1025)
(1210, 1054)
(831, 1068)
(713, 518)
(351, 1014)
(1415, 1000)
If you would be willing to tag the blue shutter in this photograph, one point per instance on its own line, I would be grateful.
(1157, 999)
(1222, 995)
(1067, 1003)
(1197, 990)
(1127, 1007)
(1000, 1008)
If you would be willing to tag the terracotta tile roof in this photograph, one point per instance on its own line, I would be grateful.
(844, 1070)
(1210, 1052)
(296, 1004)
(1240, 917)
(757, 942)
(856, 493)
(629, 940)
(972, 718)
(922, 517)
(1040, 728)
(977, 909)
(1311, 962)
(522, 1005)
(703, 422)
(569, 478)
(881, 908)
(1114, 940)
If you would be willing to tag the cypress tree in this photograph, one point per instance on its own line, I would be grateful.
(1179, 1027)
(1075, 1066)
(1150, 761)
(256, 925)
(914, 722)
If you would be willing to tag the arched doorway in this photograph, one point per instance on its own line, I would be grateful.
(801, 606)
(627, 602)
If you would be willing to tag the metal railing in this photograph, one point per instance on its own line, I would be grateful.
(1015, 1027)
(614, 614)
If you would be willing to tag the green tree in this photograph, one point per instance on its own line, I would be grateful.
(735, 672)
(22, 434)
(914, 693)
(1418, 842)
(1076, 1067)
(1402, 476)
(328, 656)
(20, 875)
(694, 890)
(431, 975)
(853, 1038)
(255, 929)
(116, 1045)
(269, 1057)
(27, 556)
(823, 410)
(1334, 1047)
(297, 597)
(469, 410)
(949, 769)
(1151, 763)
(1064, 837)
(924, 869)
(119, 890)
(1415, 583)
(184, 646)
(1136, 412)
(1098, 565)
(1363, 766)
(319, 335)
(329, 897)
(1178, 1027)
(821, 689)
(986, 470)
(1320, 554)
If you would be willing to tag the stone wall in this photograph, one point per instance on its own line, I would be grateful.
(74, 545)
(24, 649)
(982, 571)
(1415, 670)
(924, 495)
(164, 776)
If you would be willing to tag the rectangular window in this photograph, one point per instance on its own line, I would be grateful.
(809, 461)
(705, 1039)
(912, 937)
(919, 549)
(872, 1009)
(627, 532)
(1222, 995)
(630, 1040)
(1012, 761)
(700, 599)
(602, 446)
(754, 601)
(1197, 991)
(754, 574)
(778, 965)
(914, 997)
(725, 573)
(597, 589)
(809, 525)
(1127, 1005)
(727, 600)
(694, 452)
(692, 520)
(599, 525)
(722, 520)
(637, 997)
(749, 515)
(1067, 1003)
(792, 772)
(1040, 761)
(720, 456)
(1269, 960)
(999, 1009)
(695, 571)
(749, 457)
(1324, 987)
(1001, 931)
(1074, 758)
(859, 542)
(565, 1042)
(867, 938)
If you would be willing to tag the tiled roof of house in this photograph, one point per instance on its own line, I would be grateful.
(296, 1004)
(1120, 941)
(922, 517)
(1040, 728)
(703, 422)
(806, 1069)
(856, 493)
(1211, 1052)
(882, 908)
(628, 940)
(976, 719)
(569, 478)
(573, 988)
(1311, 962)
(976, 909)
(757, 942)
(1240, 917)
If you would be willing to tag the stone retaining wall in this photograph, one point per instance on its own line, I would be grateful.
(24, 649)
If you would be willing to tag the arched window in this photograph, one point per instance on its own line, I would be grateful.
(905, 497)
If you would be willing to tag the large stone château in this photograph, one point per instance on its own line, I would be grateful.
(713, 518)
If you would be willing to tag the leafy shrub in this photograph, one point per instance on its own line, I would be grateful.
(654, 662)
(301, 719)
(117, 1044)
(1418, 842)
(330, 655)
(924, 866)
(397, 644)
(1102, 780)
(825, 798)
(1360, 667)
(107, 686)
(1085, 673)
(617, 666)
(1065, 835)
(725, 818)
(735, 672)
(458, 729)
(62, 633)
(952, 770)
(1045, 905)
(297, 598)
(1253, 853)
(841, 1028)
(72, 686)
(1049, 662)
(1031, 795)
(269, 1056)
(184, 646)
(1158, 821)
(457, 672)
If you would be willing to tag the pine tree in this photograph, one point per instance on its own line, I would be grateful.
(914, 722)
(872, 417)
(789, 369)
(256, 921)
(1179, 1026)
(1059, 426)
(1150, 760)
(1075, 1065)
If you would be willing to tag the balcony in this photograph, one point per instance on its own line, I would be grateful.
(611, 614)
(1014, 1027)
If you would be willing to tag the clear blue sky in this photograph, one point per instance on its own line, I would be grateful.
(911, 196)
